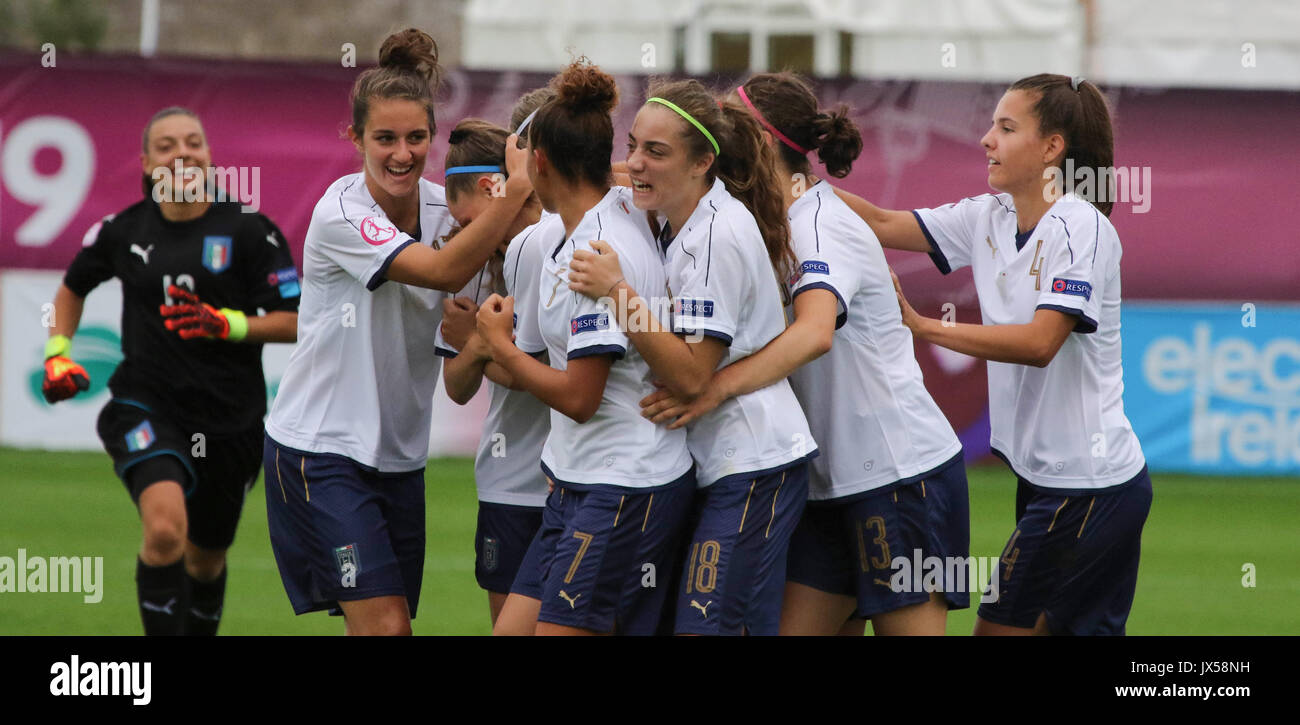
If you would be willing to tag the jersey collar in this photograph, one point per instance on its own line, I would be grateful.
(710, 204)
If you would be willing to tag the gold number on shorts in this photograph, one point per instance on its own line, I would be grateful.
(1009, 556)
(577, 558)
(702, 572)
(882, 562)
(1036, 270)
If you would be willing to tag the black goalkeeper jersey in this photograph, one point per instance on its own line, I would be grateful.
(227, 258)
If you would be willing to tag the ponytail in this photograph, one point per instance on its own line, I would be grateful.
(786, 102)
(1076, 109)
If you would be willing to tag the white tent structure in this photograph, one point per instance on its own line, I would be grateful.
(1215, 43)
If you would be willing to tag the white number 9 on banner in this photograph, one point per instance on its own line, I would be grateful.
(58, 196)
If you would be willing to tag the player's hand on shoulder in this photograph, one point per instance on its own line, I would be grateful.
(594, 273)
(193, 318)
(63, 377)
(459, 320)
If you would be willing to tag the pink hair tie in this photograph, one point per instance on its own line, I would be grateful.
(783, 138)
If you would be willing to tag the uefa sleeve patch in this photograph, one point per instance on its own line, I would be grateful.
(589, 323)
(286, 280)
(377, 231)
(693, 308)
(813, 266)
(1078, 288)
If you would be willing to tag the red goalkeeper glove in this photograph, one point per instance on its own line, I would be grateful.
(193, 317)
(63, 377)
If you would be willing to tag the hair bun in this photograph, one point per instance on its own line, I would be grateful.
(839, 141)
(584, 88)
(411, 50)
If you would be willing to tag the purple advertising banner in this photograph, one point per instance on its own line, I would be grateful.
(1202, 212)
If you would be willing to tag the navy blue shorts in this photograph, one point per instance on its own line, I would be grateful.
(216, 472)
(341, 532)
(600, 559)
(733, 580)
(890, 548)
(1074, 558)
(503, 535)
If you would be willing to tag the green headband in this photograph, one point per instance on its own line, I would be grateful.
(690, 118)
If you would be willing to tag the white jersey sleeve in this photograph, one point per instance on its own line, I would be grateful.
(360, 240)
(951, 228)
(710, 301)
(523, 270)
(836, 266)
(1072, 281)
(591, 330)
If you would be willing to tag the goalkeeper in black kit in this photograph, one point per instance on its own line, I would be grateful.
(204, 284)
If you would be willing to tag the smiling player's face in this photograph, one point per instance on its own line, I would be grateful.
(663, 175)
(1016, 151)
(395, 143)
(176, 138)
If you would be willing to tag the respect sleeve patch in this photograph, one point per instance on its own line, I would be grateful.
(1078, 288)
(589, 323)
(813, 266)
(693, 308)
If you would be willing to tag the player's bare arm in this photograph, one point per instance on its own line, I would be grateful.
(802, 342)
(1034, 343)
(67, 312)
(576, 391)
(463, 375)
(452, 266)
(896, 229)
(274, 326)
(684, 367)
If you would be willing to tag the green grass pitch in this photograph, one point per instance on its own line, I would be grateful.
(1200, 533)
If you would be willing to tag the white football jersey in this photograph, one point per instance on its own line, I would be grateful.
(722, 285)
(865, 399)
(507, 468)
(1061, 426)
(617, 446)
(360, 381)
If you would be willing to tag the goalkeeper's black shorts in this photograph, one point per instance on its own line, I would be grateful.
(216, 472)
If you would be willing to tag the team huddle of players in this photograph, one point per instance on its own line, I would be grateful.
(705, 414)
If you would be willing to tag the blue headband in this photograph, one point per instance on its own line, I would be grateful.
(472, 170)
